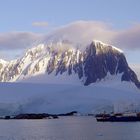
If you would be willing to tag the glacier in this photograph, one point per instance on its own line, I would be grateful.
(18, 98)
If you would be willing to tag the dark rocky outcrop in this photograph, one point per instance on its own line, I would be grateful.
(68, 114)
(35, 116)
(39, 115)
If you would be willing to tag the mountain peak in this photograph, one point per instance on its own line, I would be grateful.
(63, 59)
(100, 43)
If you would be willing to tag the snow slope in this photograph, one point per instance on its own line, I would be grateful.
(136, 68)
(58, 98)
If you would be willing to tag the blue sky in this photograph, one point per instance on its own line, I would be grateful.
(20, 15)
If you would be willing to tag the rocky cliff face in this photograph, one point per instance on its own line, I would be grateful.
(101, 59)
(91, 64)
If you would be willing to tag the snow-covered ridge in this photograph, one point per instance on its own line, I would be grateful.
(104, 45)
(3, 61)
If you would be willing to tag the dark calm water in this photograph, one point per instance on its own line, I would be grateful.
(68, 128)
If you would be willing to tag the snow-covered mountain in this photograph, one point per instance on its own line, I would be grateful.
(64, 61)
(68, 72)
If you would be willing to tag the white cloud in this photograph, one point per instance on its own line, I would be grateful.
(86, 31)
(81, 31)
(129, 38)
(40, 24)
(18, 40)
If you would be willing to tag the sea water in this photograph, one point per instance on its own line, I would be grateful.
(68, 128)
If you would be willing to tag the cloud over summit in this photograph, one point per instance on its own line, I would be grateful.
(79, 31)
